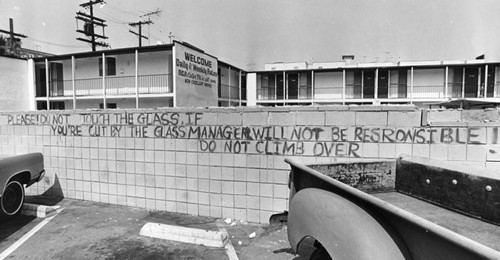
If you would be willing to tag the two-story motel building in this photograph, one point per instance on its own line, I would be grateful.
(181, 75)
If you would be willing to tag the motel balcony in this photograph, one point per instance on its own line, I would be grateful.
(127, 77)
(112, 86)
(422, 83)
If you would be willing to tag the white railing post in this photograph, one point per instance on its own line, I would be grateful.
(486, 81)
(285, 93)
(478, 92)
(446, 82)
(376, 85)
(47, 87)
(463, 82)
(136, 78)
(103, 81)
(313, 87)
(239, 87)
(411, 86)
(73, 80)
(343, 87)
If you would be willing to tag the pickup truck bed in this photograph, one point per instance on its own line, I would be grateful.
(360, 210)
(483, 232)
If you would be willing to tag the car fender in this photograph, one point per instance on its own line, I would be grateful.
(342, 227)
(11, 167)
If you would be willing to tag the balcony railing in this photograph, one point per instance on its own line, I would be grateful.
(333, 92)
(428, 91)
(229, 92)
(305, 92)
(266, 94)
(455, 89)
(122, 85)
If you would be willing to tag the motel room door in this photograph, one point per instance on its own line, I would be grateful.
(471, 82)
(368, 84)
(292, 85)
(383, 84)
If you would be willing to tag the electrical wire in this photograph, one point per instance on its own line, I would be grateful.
(57, 44)
(111, 18)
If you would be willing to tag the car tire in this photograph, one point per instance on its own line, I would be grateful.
(12, 199)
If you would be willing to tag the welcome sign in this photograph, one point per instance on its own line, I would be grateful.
(196, 77)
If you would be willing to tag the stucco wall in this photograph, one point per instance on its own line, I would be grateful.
(14, 94)
(229, 162)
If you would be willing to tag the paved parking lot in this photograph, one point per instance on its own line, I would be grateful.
(88, 230)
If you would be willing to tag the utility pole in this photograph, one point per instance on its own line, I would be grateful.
(140, 23)
(90, 23)
(12, 36)
(157, 12)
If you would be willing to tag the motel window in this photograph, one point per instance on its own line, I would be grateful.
(108, 105)
(57, 105)
(267, 86)
(110, 66)
(398, 83)
(455, 78)
(305, 85)
(41, 105)
(353, 84)
(328, 85)
(490, 90)
(243, 87)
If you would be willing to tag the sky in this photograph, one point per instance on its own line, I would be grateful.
(250, 33)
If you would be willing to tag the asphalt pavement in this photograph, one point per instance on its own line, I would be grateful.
(89, 230)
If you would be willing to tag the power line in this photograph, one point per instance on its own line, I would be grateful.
(57, 44)
(117, 9)
(112, 18)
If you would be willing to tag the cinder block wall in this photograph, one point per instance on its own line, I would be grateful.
(229, 162)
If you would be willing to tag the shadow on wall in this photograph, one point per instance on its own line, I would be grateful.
(52, 196)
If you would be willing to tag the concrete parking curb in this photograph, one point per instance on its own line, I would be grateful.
(39, 211)
(185, 234)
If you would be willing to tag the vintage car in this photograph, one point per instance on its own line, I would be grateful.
(16, 173)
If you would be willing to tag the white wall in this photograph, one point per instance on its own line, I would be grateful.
(14, 83)
(328, 85)
(251, 89)
(428, 83)
(285, 66)
(121, 103)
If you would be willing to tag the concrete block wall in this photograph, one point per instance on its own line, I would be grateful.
(228, 162)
